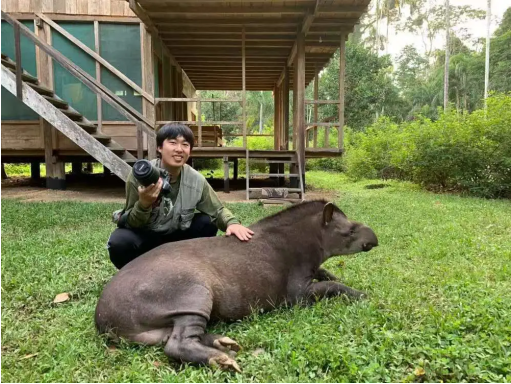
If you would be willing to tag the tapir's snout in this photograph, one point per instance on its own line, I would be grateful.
(370, 240)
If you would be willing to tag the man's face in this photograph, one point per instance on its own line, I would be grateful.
(175, 152)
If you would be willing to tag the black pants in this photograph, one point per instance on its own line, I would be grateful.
(125, 245)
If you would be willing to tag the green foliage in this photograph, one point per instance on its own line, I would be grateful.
(369, 88)
(469, 152)
(438, 309)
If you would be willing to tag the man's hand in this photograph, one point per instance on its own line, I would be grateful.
(148, 195)
(241, 232)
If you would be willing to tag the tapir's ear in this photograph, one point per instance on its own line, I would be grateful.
(328, 213)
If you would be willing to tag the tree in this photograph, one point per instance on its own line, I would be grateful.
(370, 91)
(447, 46)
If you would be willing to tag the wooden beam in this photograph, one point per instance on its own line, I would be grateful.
(19, 64)
(276, 118)
(148, 86)
(193, 11)
(315, 118)
(96, 57)
(299, 108)
(244, 94)
(65, 125)
(98, 77)
(285, 90)
(342, 73)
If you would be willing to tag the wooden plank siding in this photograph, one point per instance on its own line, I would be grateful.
(70, 7)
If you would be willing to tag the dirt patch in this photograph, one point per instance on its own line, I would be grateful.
(110, 189)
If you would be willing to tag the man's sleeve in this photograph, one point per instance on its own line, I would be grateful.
(211, 205)
(134, 215)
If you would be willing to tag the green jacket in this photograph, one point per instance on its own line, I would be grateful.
(173, 211)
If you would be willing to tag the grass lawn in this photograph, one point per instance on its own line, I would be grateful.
(439, 307)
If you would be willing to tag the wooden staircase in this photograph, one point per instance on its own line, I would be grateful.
(275, 194)
(67, 112)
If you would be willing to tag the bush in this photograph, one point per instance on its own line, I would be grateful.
(469, 152)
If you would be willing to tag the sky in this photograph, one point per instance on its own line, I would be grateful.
(398, 40)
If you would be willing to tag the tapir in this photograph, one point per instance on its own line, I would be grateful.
(169, 294)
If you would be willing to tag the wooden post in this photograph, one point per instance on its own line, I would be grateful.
(300, 102)
(342, 72)
(199, 123)
(148, 85)
(285, 109)
(35, 171)
(244, 92)
(55, 172)
(4, 174)
(19, 67)
(76, 167)
(316, 91)
(295, 101)
(235, 169)
(276, 118)
(98, 76)
(226, 174)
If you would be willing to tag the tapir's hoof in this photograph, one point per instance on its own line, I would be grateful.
(225, 363)
(226, 344)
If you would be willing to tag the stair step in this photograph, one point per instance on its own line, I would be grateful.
(128, 157)
(290, 190)
(71, 114)
(56, 102)
(9, 64)
(41, 90)
(26, 77)
(274, 174)
(103, 139)
(90, 128)
(4, 56)
(115, 148)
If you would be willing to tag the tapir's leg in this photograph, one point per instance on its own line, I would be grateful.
(332, 288)
(185, 344)
(324, 275)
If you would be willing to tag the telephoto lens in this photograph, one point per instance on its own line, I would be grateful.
(145, 172)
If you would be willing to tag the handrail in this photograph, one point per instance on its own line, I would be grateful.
(97, 57)
(117, 103)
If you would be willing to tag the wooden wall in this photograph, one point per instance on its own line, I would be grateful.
(27, 136)
(70, 7)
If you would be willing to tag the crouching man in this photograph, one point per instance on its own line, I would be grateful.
(152, 216)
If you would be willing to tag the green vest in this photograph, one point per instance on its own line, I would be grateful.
(167, 217)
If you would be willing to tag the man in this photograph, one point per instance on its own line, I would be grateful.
(152, 217)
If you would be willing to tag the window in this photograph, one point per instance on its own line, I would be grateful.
(120, 46)
(67, 86)
(12, 108)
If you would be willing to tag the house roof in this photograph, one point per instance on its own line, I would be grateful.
(205, 37)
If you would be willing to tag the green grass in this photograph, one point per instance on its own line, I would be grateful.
(439, 284)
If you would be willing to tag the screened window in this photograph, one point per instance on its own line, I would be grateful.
(120, 46)
(68, 87)
(12, 108)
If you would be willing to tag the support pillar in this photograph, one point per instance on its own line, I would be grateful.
(35, 171)
(226, 174)
(55, 170)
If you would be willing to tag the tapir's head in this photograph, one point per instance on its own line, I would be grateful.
(342, 236)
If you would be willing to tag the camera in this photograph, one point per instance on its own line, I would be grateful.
(147, 174)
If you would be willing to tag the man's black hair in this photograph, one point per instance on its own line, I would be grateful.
(173, 131)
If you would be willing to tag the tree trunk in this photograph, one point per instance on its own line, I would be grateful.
(447, 56)
(487, 60)
(261, 117)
